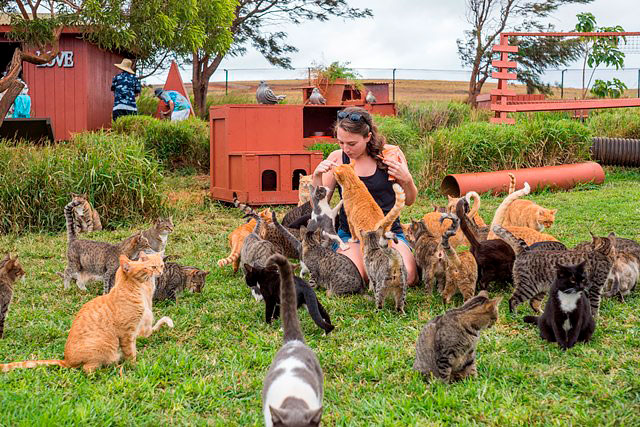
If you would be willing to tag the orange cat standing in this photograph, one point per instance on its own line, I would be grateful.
(108, 325)
(526, 213)
(236, 239)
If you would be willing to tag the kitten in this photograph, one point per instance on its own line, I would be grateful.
(90, 260)
(425, 247)
(256, 251)
(330, 270)
(567, 315)
(267, 280)
(323, 216)
(296, 214)
(106, 327)
(158, 234)
(384, 266)
(623, 275)
(304, 189)
(460, 269)
(85, 218)
(293, 388)
(446, 347)
(10, 272)
(526, 213)
(473, 214)
(498, 216)
(236, 239)
(534, 271)
(176, 278)
(363, 213)
(437, 228)
(494, 258)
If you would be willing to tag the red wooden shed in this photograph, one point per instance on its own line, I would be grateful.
(73, 90)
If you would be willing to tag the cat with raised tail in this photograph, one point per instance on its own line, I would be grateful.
(293, 388)
(498, 216)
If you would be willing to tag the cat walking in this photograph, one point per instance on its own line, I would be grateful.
(10, 272)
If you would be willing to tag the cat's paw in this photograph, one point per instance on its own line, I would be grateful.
(351, 240)
(344, 246)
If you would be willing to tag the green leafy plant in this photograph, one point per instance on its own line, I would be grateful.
(611, 89)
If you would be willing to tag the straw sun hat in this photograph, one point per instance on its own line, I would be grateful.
(125, 65)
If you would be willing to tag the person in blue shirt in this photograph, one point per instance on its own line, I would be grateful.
(125, 86)
(22, 104)
(179, 106)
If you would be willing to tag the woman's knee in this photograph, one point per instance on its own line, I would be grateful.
(409, 262)
(355, 255)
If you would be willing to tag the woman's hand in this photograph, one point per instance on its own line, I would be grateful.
(324, 167)
(399, 170)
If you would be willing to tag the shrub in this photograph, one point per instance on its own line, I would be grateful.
(147, 102)
(325, 148)
(481, 147)
(175, 144)
(619, 123)
(123, 184)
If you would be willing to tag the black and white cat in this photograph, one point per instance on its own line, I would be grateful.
(267, 282)
(293, 388)
(567, 316)
(323, 217)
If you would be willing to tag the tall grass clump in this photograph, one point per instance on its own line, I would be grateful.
(483, 147)
(147, 102)
(230, 98)
(618, 123)
(36, 182)
(427, 117)
(174, 144)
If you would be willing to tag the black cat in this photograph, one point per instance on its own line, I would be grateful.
(567, 316)
(267, 281)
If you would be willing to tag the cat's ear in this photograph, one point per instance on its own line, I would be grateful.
(143, 257)
(484, 294)
(277, 416)
(496, 301)
(125, 263)
(248, 268)
(314, 416)
(612, 235)
(554, 211)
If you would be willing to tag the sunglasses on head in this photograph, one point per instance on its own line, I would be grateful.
(354, 117)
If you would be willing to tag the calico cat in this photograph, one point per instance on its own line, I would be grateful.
(460, 269)
(176, 278)
(304, 189)
(498, 216)
(446, 347)
(267, 280)
(236, 239)
(534, 271)
(567, 315)
(623, 275)
(494, 258)
(363, 213)
(293, 388)
(437, 228)
(526, 213)
(473, 214)
(158, 234)
(323, 216)
(385, 269)
(297, 214)
(106, 327)
(330, 270)
(85, 218)
(10, 272)
(424, 250)
(90, 260)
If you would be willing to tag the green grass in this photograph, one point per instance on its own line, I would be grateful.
(209, 369)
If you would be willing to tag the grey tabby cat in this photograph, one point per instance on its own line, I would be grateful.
(10, 272)
(297, 213)
(323, 217)
(176, 278)
(424, 248)
(534, 271)
(293, 388)
(85, 217)
(446, 347)
(384, 266)
(330, 270)
(90, 260)
(256, 251)
(158, 234)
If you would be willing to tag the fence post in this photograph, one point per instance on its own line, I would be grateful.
(562, 83)
(226, 81)
(394, 85)
(638, 82)
(309, 74)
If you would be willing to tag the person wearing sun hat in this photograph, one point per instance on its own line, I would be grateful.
(125, 86)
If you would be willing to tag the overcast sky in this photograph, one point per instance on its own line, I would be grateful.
(407, 34)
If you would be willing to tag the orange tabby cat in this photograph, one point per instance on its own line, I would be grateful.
(525, 213)
(109, 324)
(236, 239)
(304, 189)
(363, 213)
(529, 235)
(437, 228)
(473, 213)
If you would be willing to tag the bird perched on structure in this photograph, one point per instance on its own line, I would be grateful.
(264, 94)
(316, 97)
(371, 99)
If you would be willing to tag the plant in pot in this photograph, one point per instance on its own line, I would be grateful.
(331, 80)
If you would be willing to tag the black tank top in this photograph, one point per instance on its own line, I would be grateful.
(380, 188)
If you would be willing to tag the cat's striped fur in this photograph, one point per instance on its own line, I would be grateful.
(85, 217)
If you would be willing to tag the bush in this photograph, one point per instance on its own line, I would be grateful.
(174, 144)
(325, 148)
(428, 117)
(481, 147)
(123, 184)
(147, 102)
(620, 123)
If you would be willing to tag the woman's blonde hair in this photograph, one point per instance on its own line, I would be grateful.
(363, 127)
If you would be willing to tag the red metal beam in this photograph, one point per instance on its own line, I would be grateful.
(586, 104)
(505, 48)
(572, 34)
(504, 64)
(504, 75)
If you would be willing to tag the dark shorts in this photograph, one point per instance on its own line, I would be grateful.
(345, 236)
(119, 113)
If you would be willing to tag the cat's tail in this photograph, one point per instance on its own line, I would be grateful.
(512, 182)
(68, 216)
(461, 212)
(6, 367)
(394, 213)
(288, 299)
(518, 245)
(476, 203)
(316, 310)
(531, 319)
(498, 217)
(232, 258)
(451, 231)
(248, 210)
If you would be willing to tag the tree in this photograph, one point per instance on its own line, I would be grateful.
(145, 29)
(489, 18)
(252, 23)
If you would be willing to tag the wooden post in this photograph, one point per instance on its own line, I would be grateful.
(503, 75)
